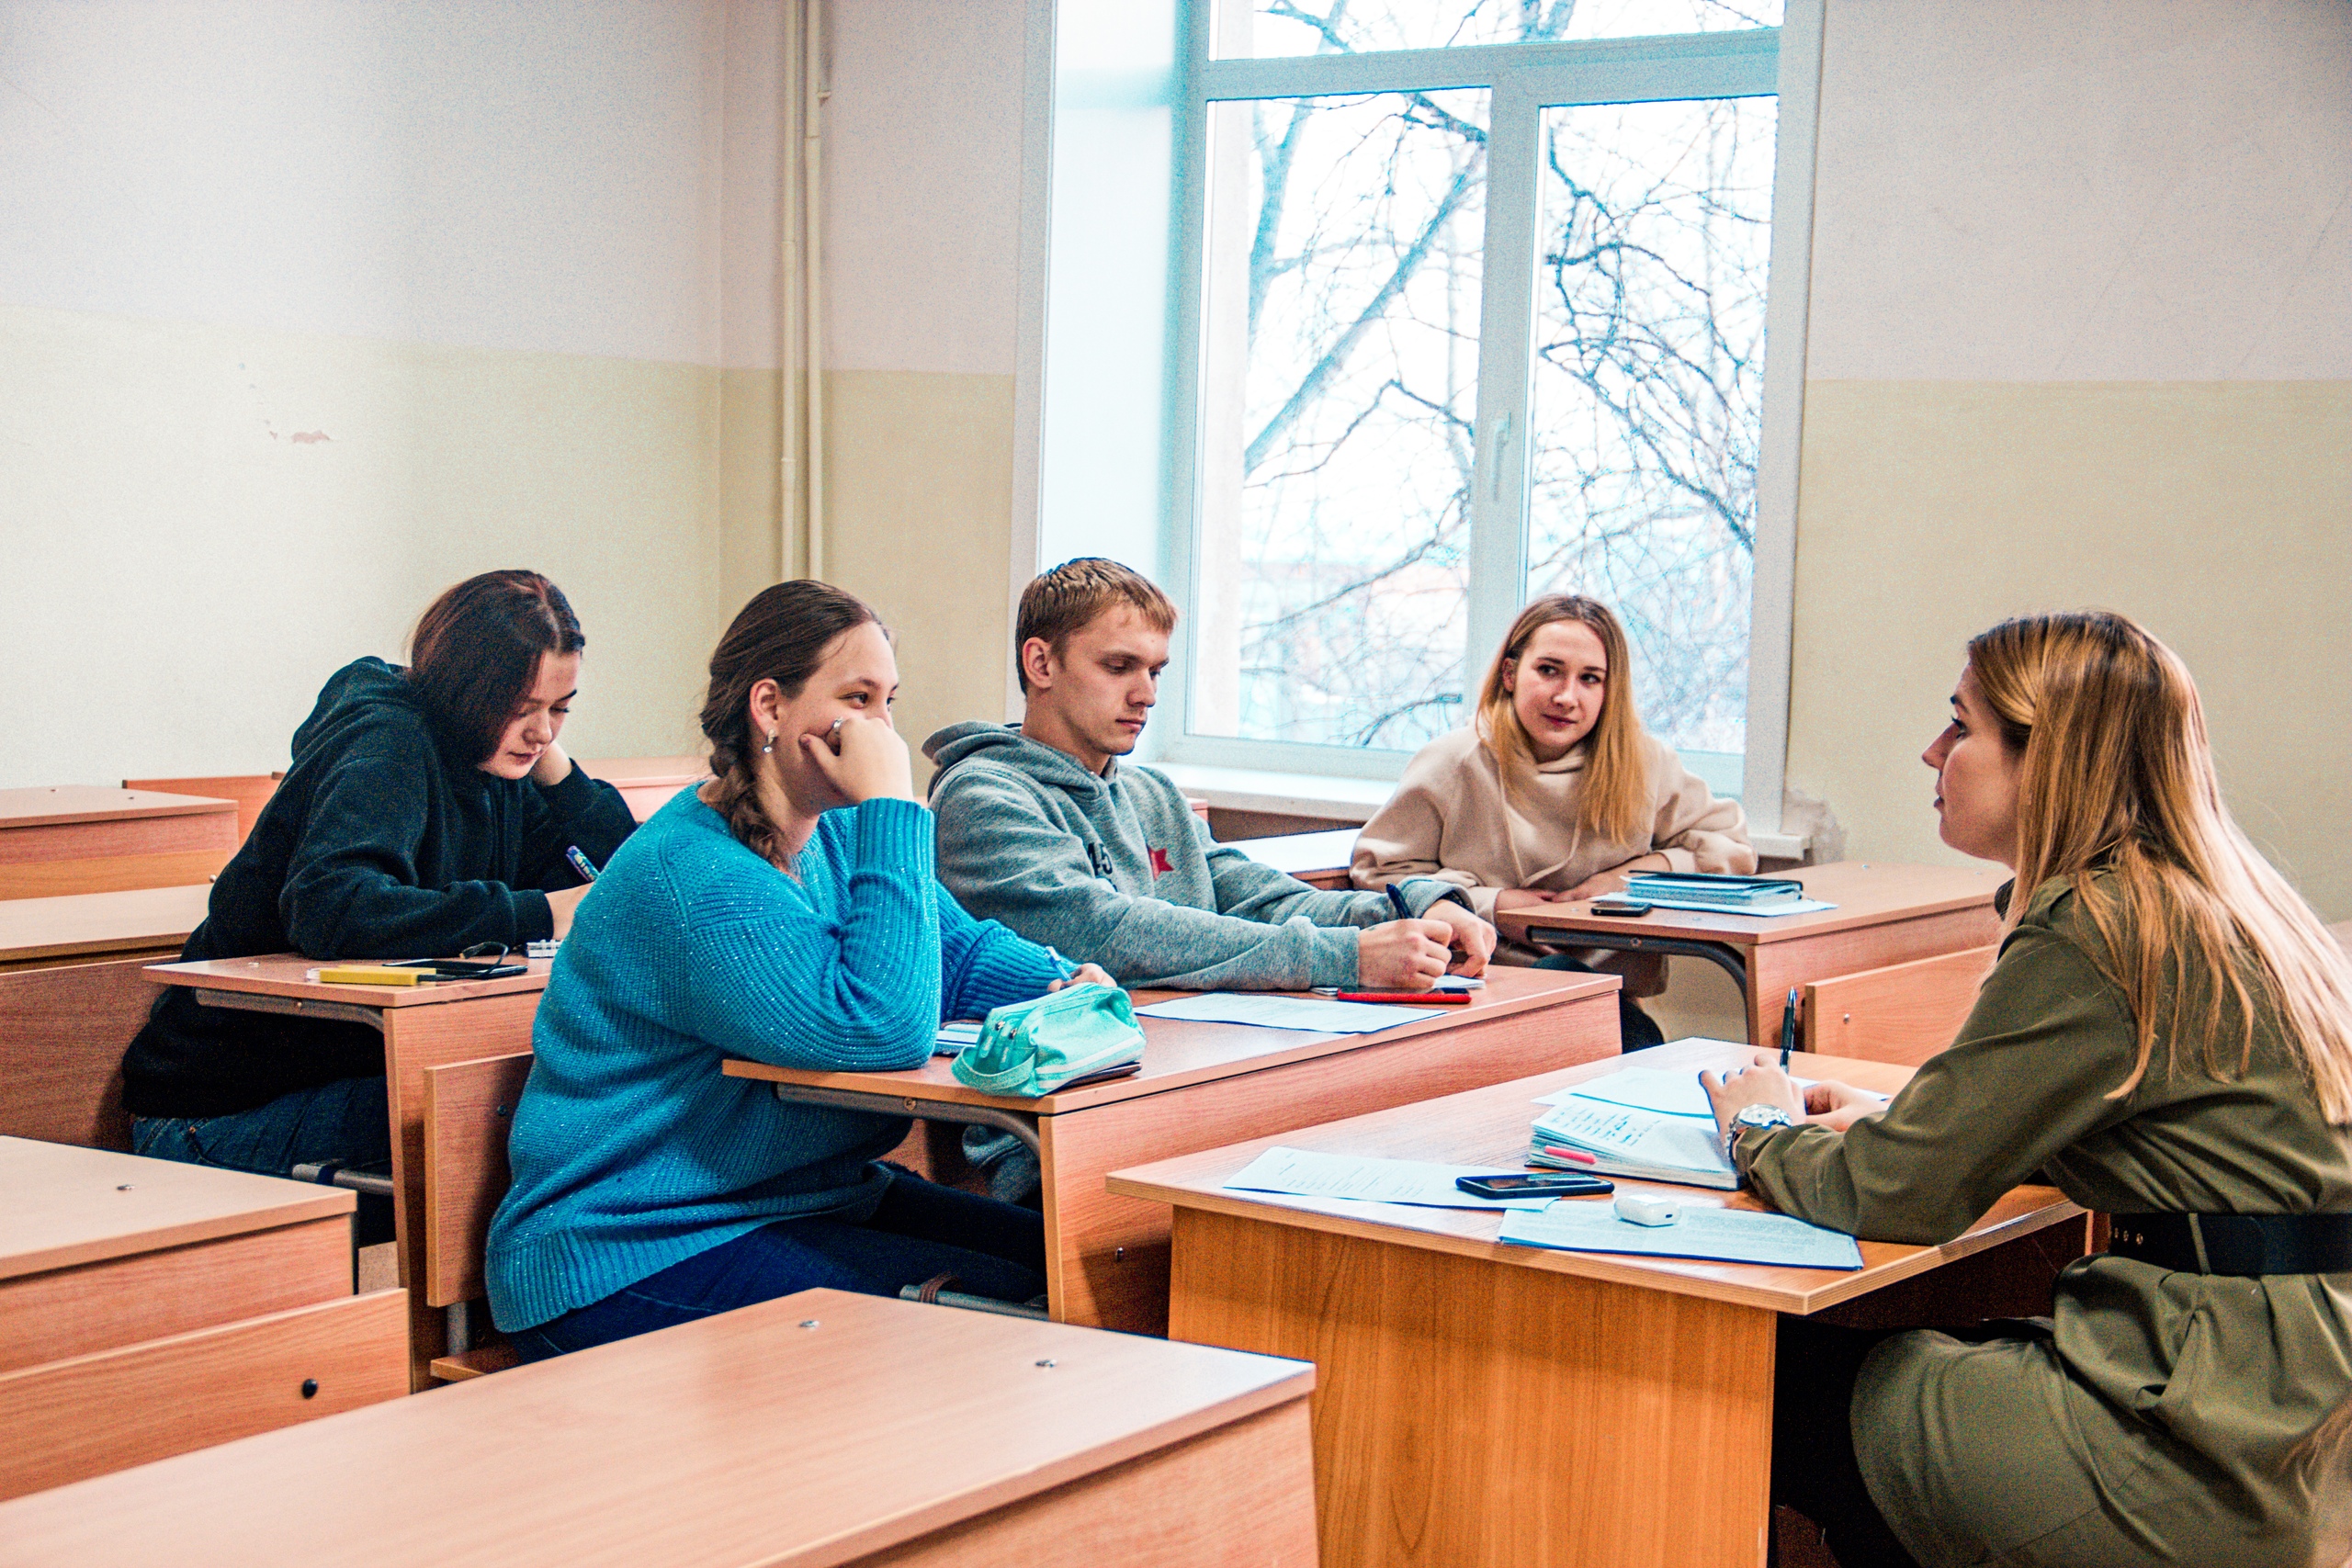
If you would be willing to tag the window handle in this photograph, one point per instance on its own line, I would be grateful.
(1494, 459)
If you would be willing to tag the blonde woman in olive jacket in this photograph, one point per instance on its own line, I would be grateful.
(2166, 1038)
(1555, 792)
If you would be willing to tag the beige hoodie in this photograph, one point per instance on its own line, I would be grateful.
(1449, 819)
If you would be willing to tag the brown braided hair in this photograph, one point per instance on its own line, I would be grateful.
(783, 635)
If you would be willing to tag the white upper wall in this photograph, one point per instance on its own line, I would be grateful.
(922, 185)
(2061, 212)
(449, 172)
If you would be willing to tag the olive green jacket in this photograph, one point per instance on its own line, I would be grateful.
(2160, 1422)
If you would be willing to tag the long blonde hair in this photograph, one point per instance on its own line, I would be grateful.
(2117, 777)
(1614, 804)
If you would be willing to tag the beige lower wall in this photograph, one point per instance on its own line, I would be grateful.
(200, 522)
(919, 507)
(2217, 514)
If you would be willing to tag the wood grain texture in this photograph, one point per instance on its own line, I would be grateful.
(115, 925)
(1489, 1127)
(498, 1024)
(286, 978)
(1902, 1012)
(99, 1306)
(1773, 967)
(1242, 1496)
(1470, 1417)
(91, 824)
(62, 1032)
(469, 1111)
(692, 1449)
(250, 791)
(68, 1206)
(146, 1402)
(1107, 1256)
(111, 874)
(465, 1365)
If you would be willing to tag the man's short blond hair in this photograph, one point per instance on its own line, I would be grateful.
(1056, 604)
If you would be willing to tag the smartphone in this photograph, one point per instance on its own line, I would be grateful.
(1617, 904)
(1535, 1184)
(460, 968)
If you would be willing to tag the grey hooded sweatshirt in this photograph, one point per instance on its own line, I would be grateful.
(1114, 869)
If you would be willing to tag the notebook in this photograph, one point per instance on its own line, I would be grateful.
(1728, 1236)
(1623, 1140)
(1708, 888)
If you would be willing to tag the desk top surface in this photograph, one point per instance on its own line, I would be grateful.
(1867, 892)
(136, 919)
(1489, 1127)
(288, 974)
(54, 805)
(1178, 1052)
(63, 1205)
(739, 1440)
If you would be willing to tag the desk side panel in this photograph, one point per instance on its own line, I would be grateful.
(99, 1306)
(1773, 967)
(1242, 1496)
(178, 834)
(1107, 1256)
(62, 1032)
(1472, 1414)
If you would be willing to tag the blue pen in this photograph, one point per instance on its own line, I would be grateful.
(1397, 901)
(580, 862)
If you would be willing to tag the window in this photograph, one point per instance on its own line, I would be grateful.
(1474, 308)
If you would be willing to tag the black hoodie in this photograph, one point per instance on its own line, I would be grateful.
(378, 843)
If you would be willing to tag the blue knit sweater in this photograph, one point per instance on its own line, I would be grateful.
(630, 1151)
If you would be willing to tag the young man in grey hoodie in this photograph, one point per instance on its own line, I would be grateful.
(1043, 828)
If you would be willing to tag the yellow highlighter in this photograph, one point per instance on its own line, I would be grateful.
(368, 975)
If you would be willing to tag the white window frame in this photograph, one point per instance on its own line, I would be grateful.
(1525, 79)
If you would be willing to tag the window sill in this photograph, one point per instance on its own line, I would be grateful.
(1351, 800)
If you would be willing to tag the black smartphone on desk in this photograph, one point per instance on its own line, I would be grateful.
(1535, 1184)
(1618, 904)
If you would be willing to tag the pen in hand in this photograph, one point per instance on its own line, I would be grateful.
(1788, 1028)
(580, 862)
(1396, 902)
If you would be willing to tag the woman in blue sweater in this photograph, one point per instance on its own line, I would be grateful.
(785, 912)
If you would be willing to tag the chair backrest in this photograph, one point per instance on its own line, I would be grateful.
(62, 1031)
(469, 1107)
(250, 791)
(1905, 1012)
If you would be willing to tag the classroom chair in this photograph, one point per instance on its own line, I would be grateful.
(1902, 1014)
(468, 1110)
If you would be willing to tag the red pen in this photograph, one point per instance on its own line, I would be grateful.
(1548, 1152)
(1414, 998)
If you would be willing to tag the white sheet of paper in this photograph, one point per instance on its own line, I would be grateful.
(1285, 1013)
(1306, 1174)
(1648, 1088)
(1664, 1142)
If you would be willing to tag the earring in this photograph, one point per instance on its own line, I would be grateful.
(770, 746)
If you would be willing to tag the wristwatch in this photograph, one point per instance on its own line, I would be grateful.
(1757, 1116)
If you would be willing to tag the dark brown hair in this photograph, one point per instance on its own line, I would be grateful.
(781, 636)
(477, 649)
(1059, 602)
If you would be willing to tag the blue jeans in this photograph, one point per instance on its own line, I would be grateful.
(919, 1230)
(345, 1123)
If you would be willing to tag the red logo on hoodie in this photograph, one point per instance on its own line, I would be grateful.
(1160, 864)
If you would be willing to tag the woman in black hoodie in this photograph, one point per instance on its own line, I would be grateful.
(427, 810)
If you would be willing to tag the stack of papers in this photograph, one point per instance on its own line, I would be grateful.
(1636, 1122)
(953, 1037)
(1423, 1183)
(1729, 1235)
(1285, 1013)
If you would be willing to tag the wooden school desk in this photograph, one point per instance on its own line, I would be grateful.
(1886, 914)
(1320, 859)
(422, 1026)
(1205, 1084)
(148, 1307)
(84, 839)
(88, 928)
(823, 1429)
(647, 782)
(1482, 1404)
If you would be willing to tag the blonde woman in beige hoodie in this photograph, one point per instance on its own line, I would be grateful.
(1554, 792)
